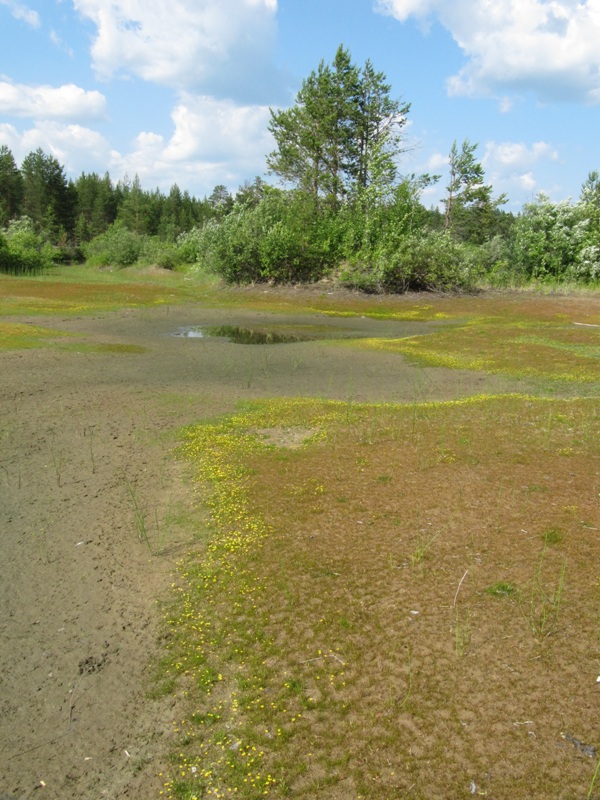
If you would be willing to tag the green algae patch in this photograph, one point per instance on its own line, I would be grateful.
(21, 336)
(418, 313)
(47, 296)
(25, 336)
(213, 647)
(528, 349)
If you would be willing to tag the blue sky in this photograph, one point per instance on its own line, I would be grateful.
(178, 91)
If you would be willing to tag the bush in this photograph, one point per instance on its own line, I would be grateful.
(280, 239)
(8, 261)
(22, 250)
(587, 264)
(159, 253)
(198, 246)
(192, 245)
(548, 238)
(494, 264)
(117, 246)
(430, 261)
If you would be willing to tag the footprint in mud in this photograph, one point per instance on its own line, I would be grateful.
(91, 664)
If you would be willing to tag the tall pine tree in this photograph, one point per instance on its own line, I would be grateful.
(47, 198)
(342, 133)
(11, 187)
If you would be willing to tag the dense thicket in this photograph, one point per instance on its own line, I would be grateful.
(343, 209)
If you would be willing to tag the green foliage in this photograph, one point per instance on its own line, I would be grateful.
(135, 206)
(71, 213)
(22, 250)
(220, 200)
(381, 225)
(8, 261)
(588, 260)
(281, 239)
(11, 187)
(551, 242)
(193, 246)
(96, 206)
(342, 134)
(166, 255)
(470, 212)
(494, 265)
(117, 247)
(424, 261)
(48, 199)
(348, 211)
(120, 247)
(502, 589)
(198, 246)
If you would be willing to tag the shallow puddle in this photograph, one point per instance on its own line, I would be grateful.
(239, 335)
(274, 335)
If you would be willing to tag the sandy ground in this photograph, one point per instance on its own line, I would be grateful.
(85, 438)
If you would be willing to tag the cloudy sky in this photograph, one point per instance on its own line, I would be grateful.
(178, 91)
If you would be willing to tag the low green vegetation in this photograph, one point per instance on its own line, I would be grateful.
(17, 336)
(502, 589)
(557, 343)
(301, 635)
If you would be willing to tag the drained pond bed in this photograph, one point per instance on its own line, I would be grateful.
(375, 548)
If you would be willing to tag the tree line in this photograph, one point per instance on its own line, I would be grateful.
(45, 217)
(342, 208)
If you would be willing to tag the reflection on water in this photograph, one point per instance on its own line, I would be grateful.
(252, 335)
(190, 333)
(285, 334)
(240, 335)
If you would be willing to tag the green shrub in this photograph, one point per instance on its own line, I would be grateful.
(8, 261)
(426, 261)
(165, 255)
(22, 250)
(548, 238)
(587, 264)
(281, 239)
(117, 246)
(192, 245)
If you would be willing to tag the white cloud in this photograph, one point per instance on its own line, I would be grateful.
(549, 47)
(505, 105)
(77, 148)
(509, 165)
(48, 102)
(10, 136)
(58, 42)
(205, 126)
(437, 161)
(21, 11)
(526, 181)
(516, 155)
(219, 47)
(213, 142)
